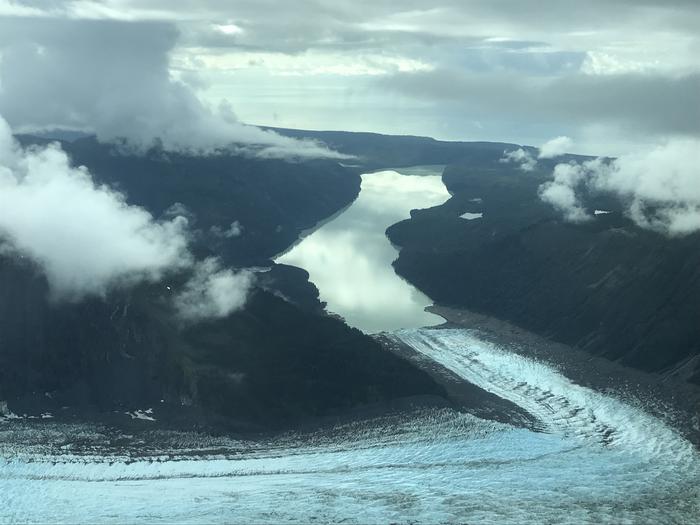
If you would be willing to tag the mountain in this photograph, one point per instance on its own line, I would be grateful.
(280, 360)
(376, 151)
(271, 200)
(606, 286)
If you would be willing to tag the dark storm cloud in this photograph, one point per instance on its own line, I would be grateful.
(315, 22)
(308, 34)
(306, 24)
(659, 104)
(500, 61)
(420, 28)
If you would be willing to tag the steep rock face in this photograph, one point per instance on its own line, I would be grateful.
(606, 286)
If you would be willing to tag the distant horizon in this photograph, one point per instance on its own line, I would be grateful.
(51, 133)
(616, 77)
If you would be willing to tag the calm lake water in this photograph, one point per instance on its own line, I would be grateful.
(349, 258)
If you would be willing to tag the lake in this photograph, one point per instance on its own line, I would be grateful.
(349, 258)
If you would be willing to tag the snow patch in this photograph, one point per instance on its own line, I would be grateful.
(145, 415)
(5, 412)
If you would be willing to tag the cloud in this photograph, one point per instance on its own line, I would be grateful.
(177, 209)
(520, 156)
(659, 187)
(11, 8)
(212, 292)
(88, 240)
(113, 78)
(526, 73)
(555, 148)
(86, 237)
(629, 101)
(561, 192)
(292, 20)
(234, 230)
(551, 149)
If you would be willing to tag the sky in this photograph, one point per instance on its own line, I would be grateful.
(615, 76)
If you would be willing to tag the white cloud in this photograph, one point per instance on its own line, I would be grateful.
(113, 78)
(551, 149)
(234, 230)
(601, 63)
(86, 237)
(520, 156)
(88, 240)
(526, 73)
(561, 192)
(10, 8)
(229, 29)
(555, 148)
(177, 209)
(212, 292)
(660, 187)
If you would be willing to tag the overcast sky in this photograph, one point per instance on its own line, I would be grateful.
(614, 75)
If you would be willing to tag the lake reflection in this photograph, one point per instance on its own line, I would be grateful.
(349, 258)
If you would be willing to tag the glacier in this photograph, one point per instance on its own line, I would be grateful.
(593, 458)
